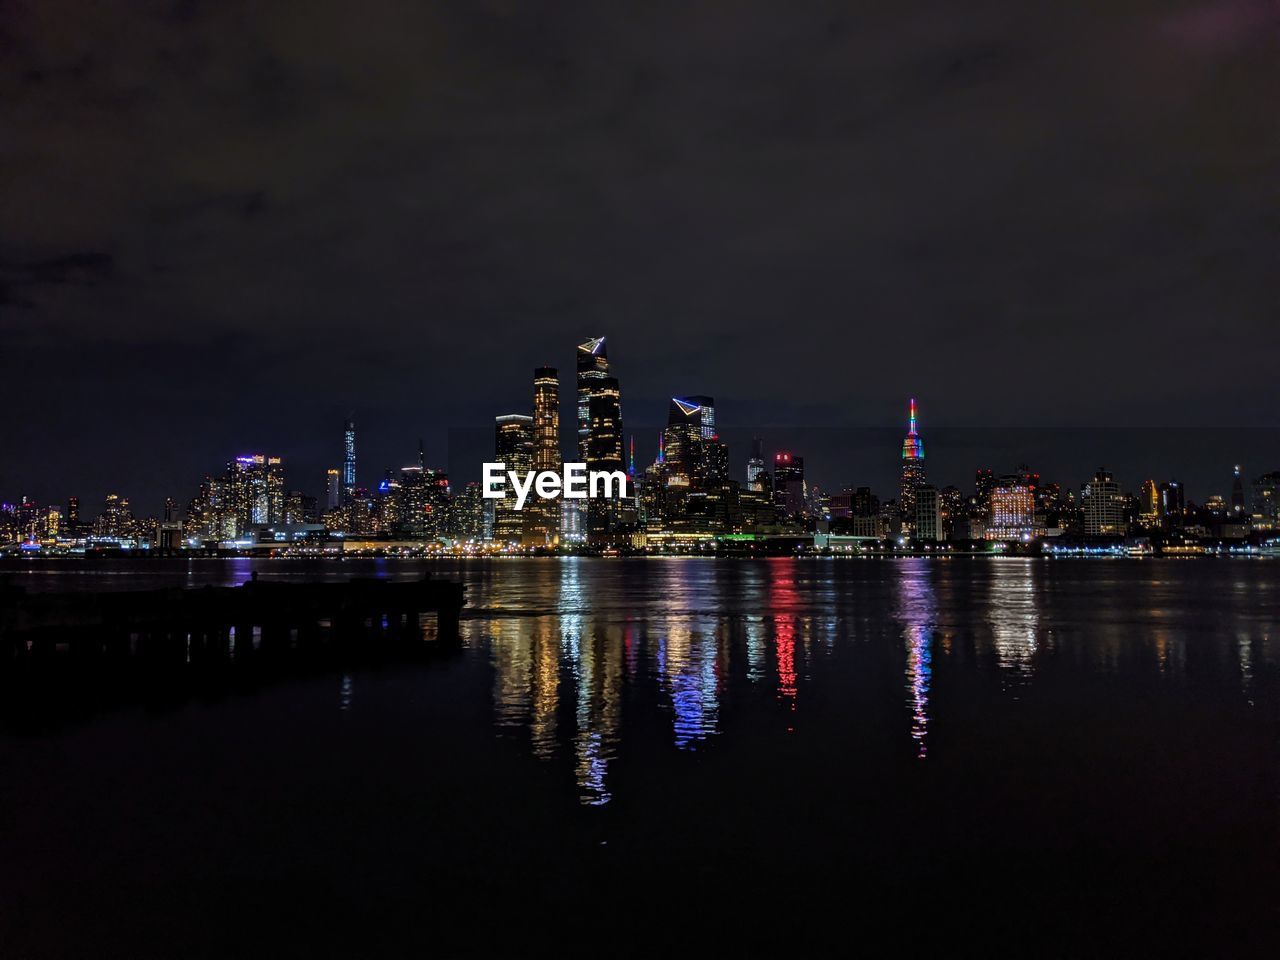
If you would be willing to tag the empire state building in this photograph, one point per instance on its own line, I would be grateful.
(912, 469)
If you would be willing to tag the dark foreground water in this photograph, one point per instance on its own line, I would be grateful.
(633, 757)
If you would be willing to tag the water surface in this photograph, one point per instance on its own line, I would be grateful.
(1034, 757)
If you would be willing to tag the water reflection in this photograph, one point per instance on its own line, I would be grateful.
(689, 666)
(573, 643)
(1013, 613)
(918, 611)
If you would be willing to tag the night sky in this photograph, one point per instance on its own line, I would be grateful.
(224, 225)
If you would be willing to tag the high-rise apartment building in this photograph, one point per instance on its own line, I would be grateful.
(1102, 506)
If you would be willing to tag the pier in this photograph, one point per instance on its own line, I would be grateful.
(258, 620)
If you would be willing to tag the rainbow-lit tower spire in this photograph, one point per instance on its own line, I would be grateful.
(631, 458)
(912, 445)
(912, 472)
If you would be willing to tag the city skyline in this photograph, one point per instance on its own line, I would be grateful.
(835, 453)
(688, 489)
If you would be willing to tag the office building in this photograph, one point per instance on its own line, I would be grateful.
(513, 446)
(912, 467)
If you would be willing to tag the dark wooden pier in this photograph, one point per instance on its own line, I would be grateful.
(260, 619)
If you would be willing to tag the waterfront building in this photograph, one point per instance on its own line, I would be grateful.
(425, 502)
(1012, 514)
(1102, 506)
(1266, 501)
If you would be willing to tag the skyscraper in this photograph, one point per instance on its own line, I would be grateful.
(1266, 501)
(691, 445)
(755, 465)
(912, 468)
(1237, 492)
(542, 526)
(789, 492)
(928, 516)
(332, 488)
(513, 446)
(599, 436)
(348, 458)
(599, 413)
(1102, 506)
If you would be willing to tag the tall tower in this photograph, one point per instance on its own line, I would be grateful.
(543, 525)
(599, 406)
(349, 458)
(912, 468)
(512, 445)
(1237, 492)
(755, 465)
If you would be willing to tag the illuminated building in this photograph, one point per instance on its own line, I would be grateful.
(466, 514)
(573, 526)
(513, 445)
(841, 504)
(983, 483)
(1149, 505)
(789, 492)
(73, 515)
(953, 508)
(116, 519)
(542, 517)
(1173, 503)
(1237, 491)
(912, 468)
(1102, 506)
(257, 482)
(425, 502)
(865, 503)
(1012, 513)
(599, 437)
(928, 517)
(755, 466)
(691, 422)
(1266, 501)
(299, 508)
(332, 488)
(599, 408)
(348, 457)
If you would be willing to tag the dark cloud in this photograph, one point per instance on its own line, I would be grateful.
(1025, 213)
